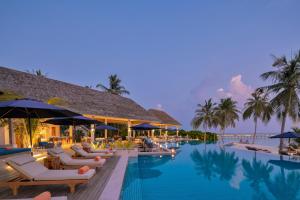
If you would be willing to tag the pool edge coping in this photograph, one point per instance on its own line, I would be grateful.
(113, 187)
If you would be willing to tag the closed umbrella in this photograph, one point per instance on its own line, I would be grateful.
(30, 108)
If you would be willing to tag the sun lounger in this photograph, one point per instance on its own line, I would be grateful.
(34, 173)
(68, 162)
(88, 148)
(82, 153)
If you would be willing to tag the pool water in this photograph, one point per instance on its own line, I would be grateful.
(203, 172)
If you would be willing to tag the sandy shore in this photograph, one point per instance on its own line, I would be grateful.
(260, 148)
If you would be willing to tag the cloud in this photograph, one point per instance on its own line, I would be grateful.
(237, 89)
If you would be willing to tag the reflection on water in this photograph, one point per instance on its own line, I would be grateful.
(214, 163)
(208, 172)
(224, 165)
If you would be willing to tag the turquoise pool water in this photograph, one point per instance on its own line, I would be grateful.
(207, 172)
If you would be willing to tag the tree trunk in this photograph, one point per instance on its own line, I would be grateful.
(255, 127)
(282, 131)
(284, 120)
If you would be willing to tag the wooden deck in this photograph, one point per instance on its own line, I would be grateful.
(90, 191)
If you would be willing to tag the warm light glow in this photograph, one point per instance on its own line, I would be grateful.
(9, 168)
(37, 155)
(41, 158)
(173, 151)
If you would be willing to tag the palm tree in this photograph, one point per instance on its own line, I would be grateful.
(258, 107)
(285, 88)
(115, 86)
(205, 116)
(227, 114)
(37, 72)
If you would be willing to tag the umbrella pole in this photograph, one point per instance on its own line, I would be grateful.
(30, 133)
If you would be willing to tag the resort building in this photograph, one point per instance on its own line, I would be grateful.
(102, 106)
(166, 121)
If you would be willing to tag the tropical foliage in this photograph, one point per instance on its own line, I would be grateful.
(115, 86)
(207, 136)
(205, 116)
(21, 126)
(227, 113)
(223, 115)
(37, 72)
(285, 87)
(258, 107)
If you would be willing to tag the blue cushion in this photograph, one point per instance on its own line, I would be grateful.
(4, 151)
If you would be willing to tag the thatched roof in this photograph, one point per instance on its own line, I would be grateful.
(78, 99)
(164, 117)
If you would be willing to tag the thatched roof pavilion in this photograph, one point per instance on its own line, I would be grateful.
(164, 118)
(103, 106)
(77, 98)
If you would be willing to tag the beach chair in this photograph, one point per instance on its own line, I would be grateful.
(82, 153)
(34, 173)
(67, 161)
(88, 148)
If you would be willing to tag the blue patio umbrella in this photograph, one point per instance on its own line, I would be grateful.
(30, 108)
(144, 126)
(106, 127)
(72, 121)
(170, 129)
(287, 135)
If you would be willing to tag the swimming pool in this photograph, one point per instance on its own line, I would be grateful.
(207, 172)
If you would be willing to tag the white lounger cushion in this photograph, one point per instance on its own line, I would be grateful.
(52, 175)
(30, 170)
(83, 153)
(21, 159)
(93, 155)
(88, 145)
(66, 159)
(81, 162)
(36, 171)
(56, 150)
(102, 151)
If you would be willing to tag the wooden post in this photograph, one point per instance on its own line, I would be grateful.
(71, 133)
(129, 129)
(12, 135)
(166, 131)
(177, 131)
(105, 131)
(92, 132)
